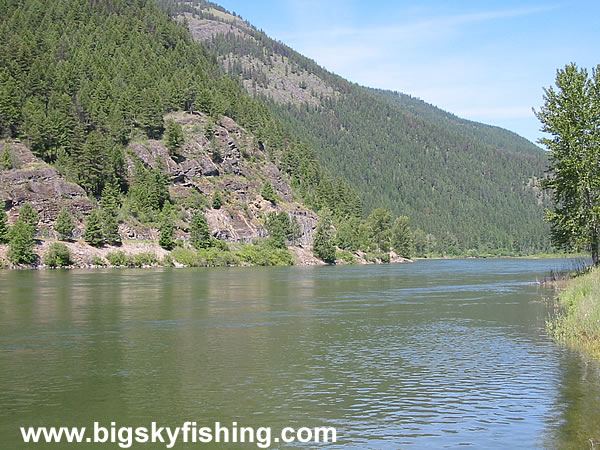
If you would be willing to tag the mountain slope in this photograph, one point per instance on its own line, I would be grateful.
(469, 185)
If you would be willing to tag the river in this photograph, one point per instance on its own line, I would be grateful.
(431, 354)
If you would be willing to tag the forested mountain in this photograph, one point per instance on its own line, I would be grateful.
(115, 123)
(467, 185)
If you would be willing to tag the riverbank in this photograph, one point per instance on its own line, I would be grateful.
(148, 253)
(577, 323)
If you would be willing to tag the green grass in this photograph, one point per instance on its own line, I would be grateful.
(578, 321)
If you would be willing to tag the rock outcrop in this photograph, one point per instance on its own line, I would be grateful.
(38, 183)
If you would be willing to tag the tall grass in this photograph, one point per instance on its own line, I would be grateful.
(577, 323)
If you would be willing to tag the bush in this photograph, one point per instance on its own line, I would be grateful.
(58, 255)
(345, 256)
(185, 256)
(167, 261)
(144, 259)
(260, 254)
(119, 259)
(98, 261)
(208, 257)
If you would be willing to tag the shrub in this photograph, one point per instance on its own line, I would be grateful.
(260, 254)
(345, 256)
(185, 256)
(58, 255)
(144, 259)
(167, 261)
(119, 259)
(98, 261)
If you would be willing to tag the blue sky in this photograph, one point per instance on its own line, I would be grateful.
(485, 61)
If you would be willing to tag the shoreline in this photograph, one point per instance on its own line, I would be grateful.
(149, 254)
(576, 322)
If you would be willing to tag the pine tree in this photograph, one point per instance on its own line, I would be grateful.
(5, 159)
(200, 233)
(167, 231)
(217, 200)
(29, 215)
(174, 136)
(111, 197)
(64, 225)
(296, 230)
(110, 229)
(4, 229)
(21, 243)
(93, 229)
(268, 192)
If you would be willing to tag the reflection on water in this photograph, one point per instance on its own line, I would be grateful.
(434, 353)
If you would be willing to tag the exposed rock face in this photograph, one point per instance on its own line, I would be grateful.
(230, 162)
(39, 184)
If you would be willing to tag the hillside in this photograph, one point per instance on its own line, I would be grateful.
(115, 125)
(469, 186)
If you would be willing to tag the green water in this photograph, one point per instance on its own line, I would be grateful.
(431, 354)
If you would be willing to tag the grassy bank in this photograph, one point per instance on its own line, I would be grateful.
(578, 321)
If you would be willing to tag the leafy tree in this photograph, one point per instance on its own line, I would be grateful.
(420, 243)
(4, 229)
(29, 215)
(93, 229)
(268, 192)
(58, 255)
(379, 224)
(6, 159)
(402, 241)
(21, 243)
(174, 136)
(324, 238)
(200, 233)
(64, 224)
(110, 228)
(571, 115)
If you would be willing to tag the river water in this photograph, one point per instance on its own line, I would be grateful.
(431, 354)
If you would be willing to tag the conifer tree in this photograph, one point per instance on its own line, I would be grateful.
(29, 215)
(296, 230)
(110, 228)
(268, 192)
(174, 136)
(167, 228)
(21, 243)
(93, 229)
(200, 233)
(167, 231)
(217, 200)
(64, 225)
(5, 159)
(4, 229)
